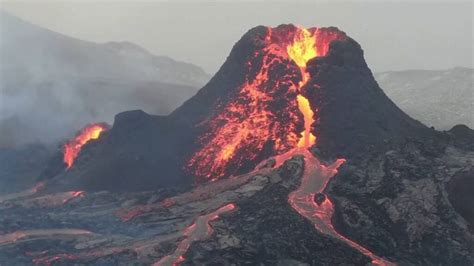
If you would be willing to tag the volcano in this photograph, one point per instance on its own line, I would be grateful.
(290, 155)
(280, 88)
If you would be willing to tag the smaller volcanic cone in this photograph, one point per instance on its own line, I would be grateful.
(74, 146)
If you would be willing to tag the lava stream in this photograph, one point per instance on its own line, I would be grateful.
(198, 231)
(315, 179)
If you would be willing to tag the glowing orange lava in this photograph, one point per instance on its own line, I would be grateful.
(301, 51)
(315, 179)
(307, 138)
(74, 146)
(269, 115)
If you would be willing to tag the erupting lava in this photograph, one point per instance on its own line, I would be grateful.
(301, 51)
(269, 110)
(74, 146)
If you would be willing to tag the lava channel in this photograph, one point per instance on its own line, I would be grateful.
(198, 231)
(74, 146)
(315, 179)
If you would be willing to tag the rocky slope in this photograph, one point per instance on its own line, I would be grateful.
(44, 73)
(439, 98)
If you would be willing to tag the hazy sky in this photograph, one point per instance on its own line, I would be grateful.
(395, 35)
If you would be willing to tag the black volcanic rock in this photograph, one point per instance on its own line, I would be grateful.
(462, 136)
(354, 114)
(396, 203)
(460, 190)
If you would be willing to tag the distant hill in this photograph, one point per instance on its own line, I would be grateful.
(44, 74)
(439, 98)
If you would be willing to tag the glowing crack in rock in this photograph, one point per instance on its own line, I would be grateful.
(74, 146)
(198, 231)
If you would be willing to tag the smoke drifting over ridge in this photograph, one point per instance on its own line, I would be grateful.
(51, 85)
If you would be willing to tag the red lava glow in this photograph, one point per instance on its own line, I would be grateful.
(74, 146)
(269, 111)
(198, 231)
(315, 179)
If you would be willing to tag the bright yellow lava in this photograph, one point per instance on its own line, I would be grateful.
(307, 139)
(301, 51)
(303, 48)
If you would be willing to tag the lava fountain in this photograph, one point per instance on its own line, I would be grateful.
(74, 146)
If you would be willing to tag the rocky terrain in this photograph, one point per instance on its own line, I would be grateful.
(394, 203)
(438, 98)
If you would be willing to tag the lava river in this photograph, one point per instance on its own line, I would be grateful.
(315, 179)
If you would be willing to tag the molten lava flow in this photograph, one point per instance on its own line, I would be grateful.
(74, 146)
(315, 179)
(198, 231)
(266, 115)
(301, 51)
(307, 138)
